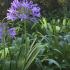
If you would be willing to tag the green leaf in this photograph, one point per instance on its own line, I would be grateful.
(32, 55)
(51, 61)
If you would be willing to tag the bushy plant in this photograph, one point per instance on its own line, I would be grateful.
(56, 37)
(31, 42)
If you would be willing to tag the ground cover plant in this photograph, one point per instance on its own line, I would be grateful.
(29, 41)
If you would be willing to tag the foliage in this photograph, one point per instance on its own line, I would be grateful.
(46, 46)
(54, 8)
(37, 45)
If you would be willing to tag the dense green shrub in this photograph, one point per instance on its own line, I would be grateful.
(55, 8)
(41, 45)
(46, 46)
(55, 36)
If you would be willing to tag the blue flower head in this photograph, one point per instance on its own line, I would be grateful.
(23, 10)
(10, 31)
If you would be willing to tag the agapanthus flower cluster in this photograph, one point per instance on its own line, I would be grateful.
(6, 31)
(23, 10)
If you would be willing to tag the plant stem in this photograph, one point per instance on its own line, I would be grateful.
(3, 41)
(25, 30)
(25, 35)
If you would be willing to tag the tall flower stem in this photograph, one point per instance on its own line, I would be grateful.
(3, 41)
(25, 35)
(4, 35)
(25, 30)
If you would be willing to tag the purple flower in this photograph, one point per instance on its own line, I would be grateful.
(1, 33)
(5, 30)
(23, 9)
(12, 32)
